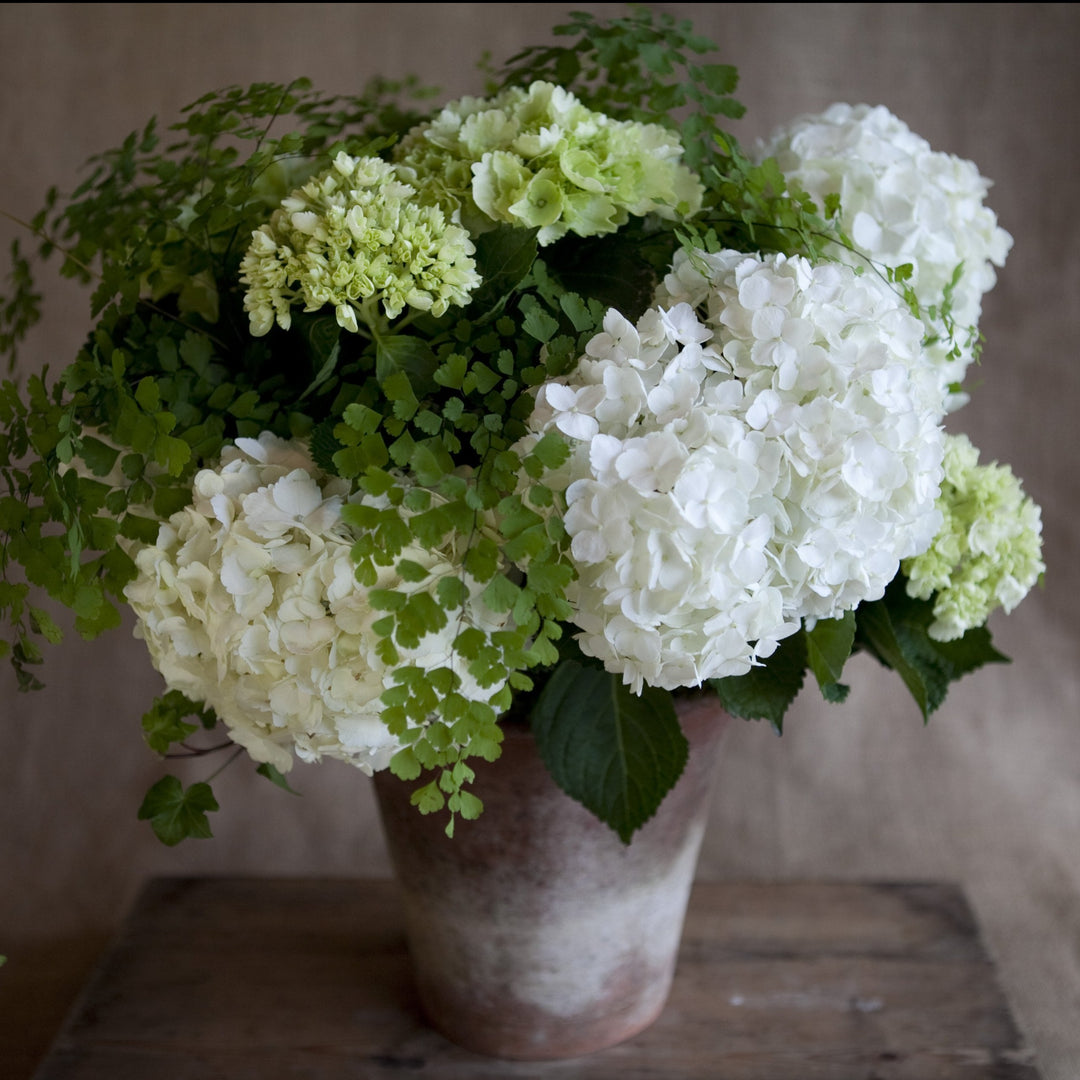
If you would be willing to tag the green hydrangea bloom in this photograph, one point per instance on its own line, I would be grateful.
(988, 553)
(539, 158)
(355, 233)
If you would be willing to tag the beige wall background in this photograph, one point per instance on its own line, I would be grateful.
(988, 794)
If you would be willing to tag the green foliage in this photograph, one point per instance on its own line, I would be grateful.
(275, 776)
(894, 630)
(828, 645)
(754, 207)
(177, 813)
(764, 693)
(613, 751)
(166, 721)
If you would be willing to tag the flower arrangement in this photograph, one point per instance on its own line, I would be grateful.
(392, 423)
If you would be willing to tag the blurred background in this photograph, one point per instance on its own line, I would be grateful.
(987, 795)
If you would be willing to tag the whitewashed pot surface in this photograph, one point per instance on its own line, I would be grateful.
(535, 932)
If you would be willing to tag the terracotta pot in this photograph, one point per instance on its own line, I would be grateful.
(535, 933)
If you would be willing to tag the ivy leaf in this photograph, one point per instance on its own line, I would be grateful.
(616, 753)
(764, 693)
(167, 720)
(176, 814)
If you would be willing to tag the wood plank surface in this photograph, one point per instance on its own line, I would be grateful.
(243, 979)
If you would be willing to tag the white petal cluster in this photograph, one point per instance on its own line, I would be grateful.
(734, 476)
(902, 202)
(355, 233)
(249, 602)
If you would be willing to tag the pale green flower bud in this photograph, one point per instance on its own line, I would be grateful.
(353, 233)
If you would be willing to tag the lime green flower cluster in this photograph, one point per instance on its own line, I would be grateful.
(540, 159)
(355, 235)
(988, 553)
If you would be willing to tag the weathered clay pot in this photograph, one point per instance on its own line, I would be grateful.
(535, 933)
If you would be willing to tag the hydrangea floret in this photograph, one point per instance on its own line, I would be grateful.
(350, 237)
(539, 159)
(249, 602)
(735, 476)
(988, 553)
(904, 204)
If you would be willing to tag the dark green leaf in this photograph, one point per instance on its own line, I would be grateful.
(410, 355)
(275, 776)
(895, 630)
(99, 457)
(828, 646)
(764, 693)
(504, 256)
(176, 814)
(616, 753)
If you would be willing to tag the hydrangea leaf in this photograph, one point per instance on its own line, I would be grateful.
(764, 693)
(828, 646)
(176, 813)
(411, 355)
(504, 257)
(896, 630)
(616, 753)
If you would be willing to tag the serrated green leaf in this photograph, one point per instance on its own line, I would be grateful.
(764, 693)
(616, 753)
(876, 630)
(896, 630)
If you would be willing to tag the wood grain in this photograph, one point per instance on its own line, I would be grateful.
(245, 979)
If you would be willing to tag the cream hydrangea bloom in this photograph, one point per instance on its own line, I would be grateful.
(732, 477)
(539, 158)
(352, 234)
(249, 602)
(902, 202)
(988, 553)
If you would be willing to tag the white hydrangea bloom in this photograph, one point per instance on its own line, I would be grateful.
(988, 553)
(355, 233)
(539, 158)
(732, 477)
(902, 202)
(249, 602)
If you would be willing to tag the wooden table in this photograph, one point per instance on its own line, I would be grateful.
(242, 979)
